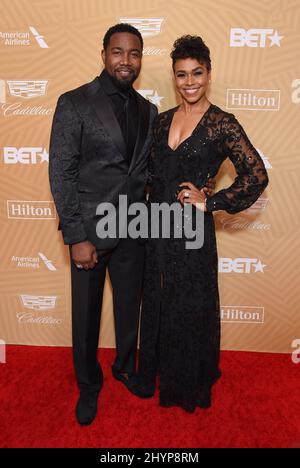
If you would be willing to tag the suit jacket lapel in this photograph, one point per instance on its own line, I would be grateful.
(105, 114)
(143, 127)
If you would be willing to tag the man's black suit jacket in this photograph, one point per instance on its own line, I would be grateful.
(87, 163)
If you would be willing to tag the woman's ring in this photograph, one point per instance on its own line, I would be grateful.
(79, 266)
(186, 194)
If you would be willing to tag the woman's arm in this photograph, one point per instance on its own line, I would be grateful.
(252, 177)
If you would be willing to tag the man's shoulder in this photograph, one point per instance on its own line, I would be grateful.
(152, 107)
(82, 90)
(153, 111)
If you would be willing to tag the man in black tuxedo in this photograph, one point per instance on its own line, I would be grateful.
(100, 141)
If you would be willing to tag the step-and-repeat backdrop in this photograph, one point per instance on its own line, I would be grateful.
(48, 47)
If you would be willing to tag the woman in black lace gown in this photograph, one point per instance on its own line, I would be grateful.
(180, 321)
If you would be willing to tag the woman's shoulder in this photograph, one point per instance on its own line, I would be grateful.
(221, 113)
(222, 120)
(167, 113)
(215, 114)
(163, 117)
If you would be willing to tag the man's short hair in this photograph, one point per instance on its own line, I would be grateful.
(121, 27)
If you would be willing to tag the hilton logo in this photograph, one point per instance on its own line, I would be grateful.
(19, 209)
(253, 99)
(242, 314)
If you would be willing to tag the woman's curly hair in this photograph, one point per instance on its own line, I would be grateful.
(191, 47)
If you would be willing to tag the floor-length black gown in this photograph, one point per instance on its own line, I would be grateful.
(180, 320)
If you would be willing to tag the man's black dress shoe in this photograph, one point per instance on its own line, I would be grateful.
(135, 385)
(86, 408)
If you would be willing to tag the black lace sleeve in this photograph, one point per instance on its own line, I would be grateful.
(252, 177)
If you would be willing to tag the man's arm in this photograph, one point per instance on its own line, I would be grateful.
(64, 156)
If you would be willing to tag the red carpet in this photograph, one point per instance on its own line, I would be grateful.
(255, 404)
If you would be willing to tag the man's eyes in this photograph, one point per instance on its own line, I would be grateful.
(133, 54)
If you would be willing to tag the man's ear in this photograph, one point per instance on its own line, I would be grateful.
(103, 55)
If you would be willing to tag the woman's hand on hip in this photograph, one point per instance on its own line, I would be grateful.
(191, 194)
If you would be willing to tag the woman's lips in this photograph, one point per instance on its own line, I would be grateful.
(191, 90)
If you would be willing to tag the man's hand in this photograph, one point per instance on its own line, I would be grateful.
(84, 255)
(209, 186)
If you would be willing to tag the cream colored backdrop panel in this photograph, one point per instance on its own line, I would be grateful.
(49, 47)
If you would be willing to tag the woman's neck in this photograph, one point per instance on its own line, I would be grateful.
(199, 107)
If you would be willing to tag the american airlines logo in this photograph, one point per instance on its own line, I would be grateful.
(242, 314)
(47, 262)
(240, 37)
(21, 209)
(39, 39)
(26, 38)
(25, 155)
(38, 302)
(33, 262)
(241, 265)
(148, 27)
(253, 99)
(151, 95)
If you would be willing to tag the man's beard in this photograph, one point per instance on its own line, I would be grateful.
(124, 84)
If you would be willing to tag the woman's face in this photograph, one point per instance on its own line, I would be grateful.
(191, 79)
